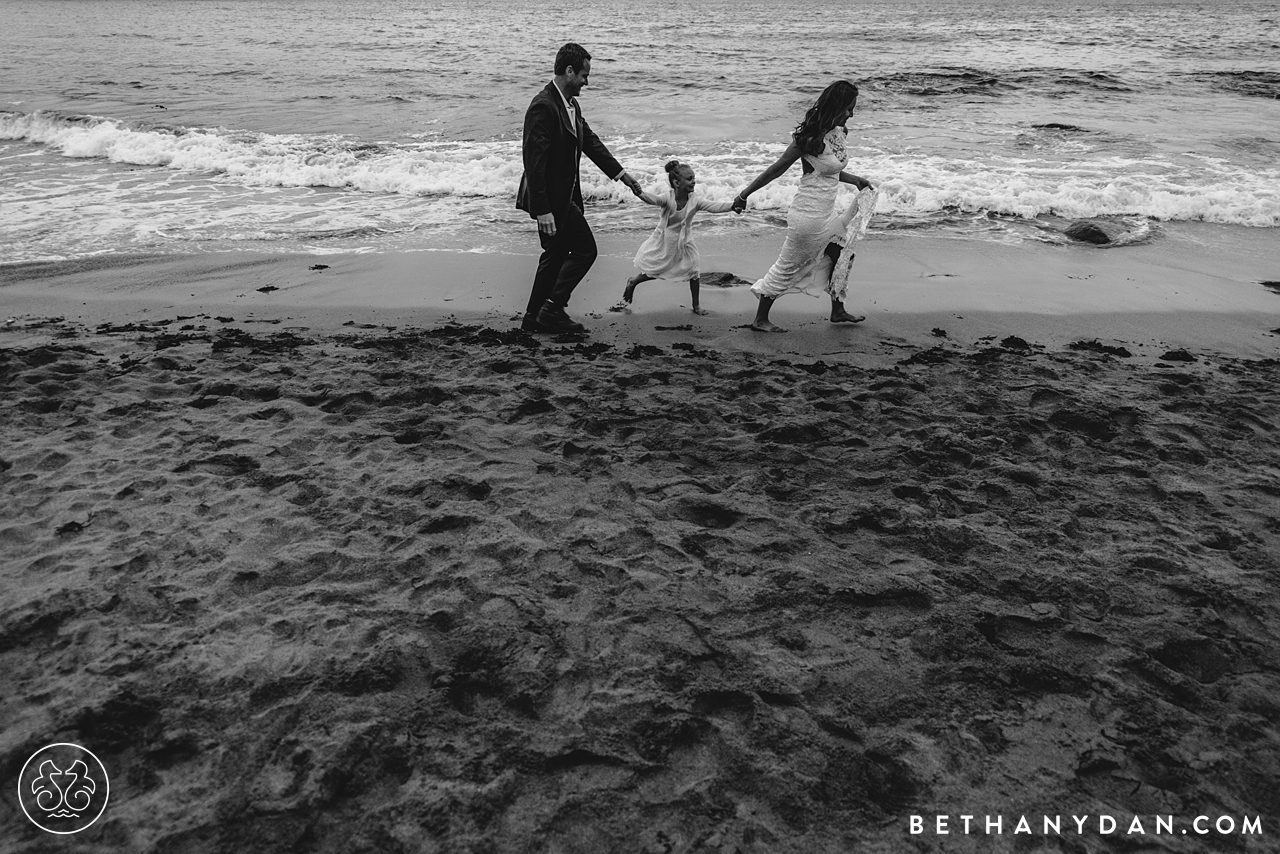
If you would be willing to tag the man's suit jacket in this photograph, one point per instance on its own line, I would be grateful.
(552, 150)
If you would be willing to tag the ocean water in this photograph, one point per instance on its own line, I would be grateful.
(322, 126)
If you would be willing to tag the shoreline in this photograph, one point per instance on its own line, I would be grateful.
(1185, 291)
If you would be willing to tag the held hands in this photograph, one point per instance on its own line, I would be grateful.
(739, 203)
(632, 184)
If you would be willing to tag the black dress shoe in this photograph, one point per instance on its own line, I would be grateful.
(554, 319)
(531, 324)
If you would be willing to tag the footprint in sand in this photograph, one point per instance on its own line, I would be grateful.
(223, 465)
(1047, 399)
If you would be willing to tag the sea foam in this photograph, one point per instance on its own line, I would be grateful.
(1200, 189)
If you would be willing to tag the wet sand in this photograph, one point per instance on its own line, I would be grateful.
(353, 565)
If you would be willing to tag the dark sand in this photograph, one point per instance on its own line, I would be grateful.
(449, 587)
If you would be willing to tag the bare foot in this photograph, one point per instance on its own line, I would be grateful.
(701, 312)
(630, 290)
(766, 326)
(841, 316)
(621, 305)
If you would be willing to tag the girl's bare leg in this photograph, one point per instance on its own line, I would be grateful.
(629, 292)
(694, 283)
(630, 289)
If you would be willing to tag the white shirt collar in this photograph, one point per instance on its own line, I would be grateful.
(568, 107)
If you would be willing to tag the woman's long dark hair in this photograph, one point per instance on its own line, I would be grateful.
(821, 117)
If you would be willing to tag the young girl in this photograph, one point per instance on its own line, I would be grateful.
(669, 253)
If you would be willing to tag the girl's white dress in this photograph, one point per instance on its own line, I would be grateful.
(670, 253)
(813, 221)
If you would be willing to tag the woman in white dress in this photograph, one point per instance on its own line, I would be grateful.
(815, 228)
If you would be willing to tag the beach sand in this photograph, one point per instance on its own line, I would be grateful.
(353, 565)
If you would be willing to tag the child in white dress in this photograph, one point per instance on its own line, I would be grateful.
(669, 253)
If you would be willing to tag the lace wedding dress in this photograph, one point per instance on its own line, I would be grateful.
(813, 221)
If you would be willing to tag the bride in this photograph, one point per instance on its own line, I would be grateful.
(815, 228)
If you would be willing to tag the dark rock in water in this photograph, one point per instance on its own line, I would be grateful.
(1013, 342)
(1098, 347)
(1092, 231)
(722, 280)
(1271, 286)
(1178, 356)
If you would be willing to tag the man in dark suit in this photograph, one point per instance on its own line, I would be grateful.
(555, 138)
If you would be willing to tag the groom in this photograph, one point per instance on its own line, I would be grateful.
(555, 138)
